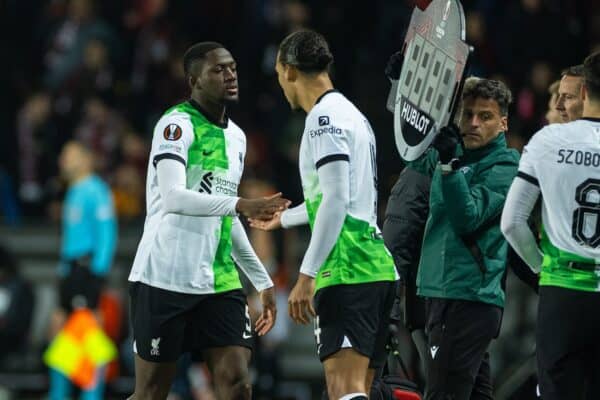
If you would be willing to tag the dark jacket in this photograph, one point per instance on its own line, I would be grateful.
(404, 224)
(465, 207)
(403, 229)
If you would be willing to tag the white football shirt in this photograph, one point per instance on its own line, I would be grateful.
(336, 130)
(564, 161)
(185, 253)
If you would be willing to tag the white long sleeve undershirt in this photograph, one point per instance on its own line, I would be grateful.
(520, 201)
(243, 254)
(334, 181)
(294, 216)
(177, 199)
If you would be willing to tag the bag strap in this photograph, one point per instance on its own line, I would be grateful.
(470, 242)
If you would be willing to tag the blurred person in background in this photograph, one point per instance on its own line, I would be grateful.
(128, 182)
(570, 96)
(95, 76)
(67, 41)
(185, 291)
(88, 245)
(530, 101)
(552, 115)
(38, 142)
(101, 130)
(16, 307)
(156, 77)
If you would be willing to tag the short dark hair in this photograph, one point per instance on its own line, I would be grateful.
(196, 52)
(591, 75)
(306, 50)
(575, 70)
(489, 89)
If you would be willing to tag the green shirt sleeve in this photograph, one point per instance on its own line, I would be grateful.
(468, 208)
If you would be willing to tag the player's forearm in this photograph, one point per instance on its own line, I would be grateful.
(187, 202)
(177, 199)
(244, 255)
(517, 209)
(329, 220)
(294, 216)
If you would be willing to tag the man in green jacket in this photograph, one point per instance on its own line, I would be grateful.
(463, 257)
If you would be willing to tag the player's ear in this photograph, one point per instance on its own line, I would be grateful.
(504, 123)
(290, 72)
(584, 92)
(191, 81)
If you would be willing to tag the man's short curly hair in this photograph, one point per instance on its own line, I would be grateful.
(306, 50)
(489, 89)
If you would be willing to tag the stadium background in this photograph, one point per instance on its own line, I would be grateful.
(108, 82)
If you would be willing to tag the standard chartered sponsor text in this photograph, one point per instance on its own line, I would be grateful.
(224, 186)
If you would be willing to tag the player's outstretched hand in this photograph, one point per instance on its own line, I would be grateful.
(266, 225)
(263, 208)
(269, 312)
(446, 141)
(394, 66)
(300, 302)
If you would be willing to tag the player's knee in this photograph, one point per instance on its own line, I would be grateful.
(234, 379)
(242, 390)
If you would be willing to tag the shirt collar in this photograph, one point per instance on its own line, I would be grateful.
(206, 115)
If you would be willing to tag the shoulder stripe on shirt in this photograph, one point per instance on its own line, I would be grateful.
(168, 156)
(330, 158)
(528, 178)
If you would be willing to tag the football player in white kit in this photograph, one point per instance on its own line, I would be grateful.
(185, 290)
(561, 163)
(346, 267)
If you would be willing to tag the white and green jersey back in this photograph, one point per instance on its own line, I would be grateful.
(564, 161)
(183, 253)
(336, 130)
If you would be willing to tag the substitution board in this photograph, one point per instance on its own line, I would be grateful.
(425, 96)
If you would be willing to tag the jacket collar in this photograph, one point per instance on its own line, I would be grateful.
(498, 143)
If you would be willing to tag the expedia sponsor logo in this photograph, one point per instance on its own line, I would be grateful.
(415, 117)
(332, 130)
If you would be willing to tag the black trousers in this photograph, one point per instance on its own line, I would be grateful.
(458, 335)
(568, 344)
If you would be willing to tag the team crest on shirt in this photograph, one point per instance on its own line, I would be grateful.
(172, 132)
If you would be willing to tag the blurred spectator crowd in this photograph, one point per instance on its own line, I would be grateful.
(103, 73)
